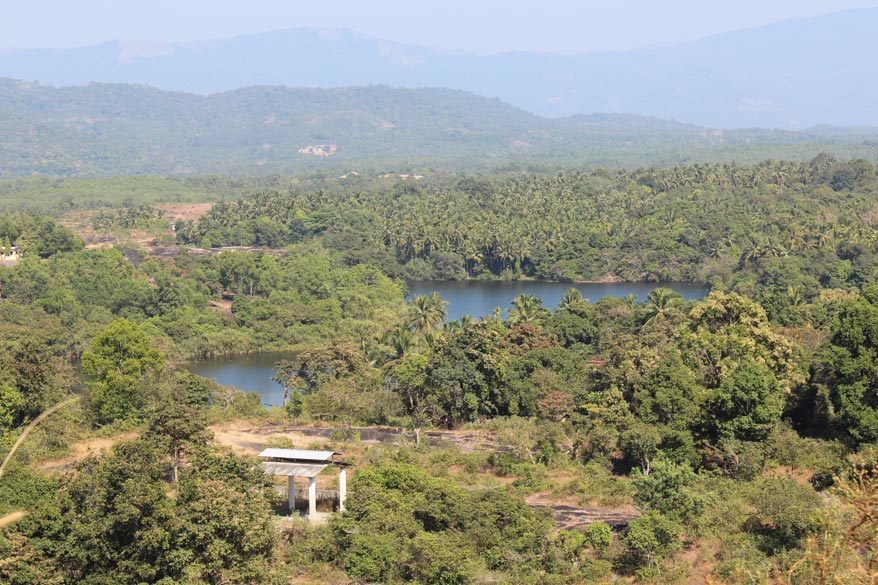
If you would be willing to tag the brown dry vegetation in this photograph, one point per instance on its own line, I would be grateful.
(92, 446)
(11, 518)
(80, 223)
(184, 211)
(245, 438)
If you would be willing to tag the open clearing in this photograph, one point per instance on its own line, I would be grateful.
(85, 448)
(246, 439)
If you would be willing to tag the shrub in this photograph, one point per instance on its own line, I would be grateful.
(599, 536)
(785, 512)
(652, 537)
(666, 489)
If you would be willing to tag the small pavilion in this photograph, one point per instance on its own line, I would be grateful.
(293, 463)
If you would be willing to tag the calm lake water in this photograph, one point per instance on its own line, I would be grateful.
(479, 298)
(252, 373)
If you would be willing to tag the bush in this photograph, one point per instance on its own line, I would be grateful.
(740, 561)
(652, 537)
(666, 489)
(785, 512)
(531, 477)
(786, 447)
(21, 489)
(599, 536)
(504, 463)
(440, 561)
(741, 459)
(598, 486)
(238, 405)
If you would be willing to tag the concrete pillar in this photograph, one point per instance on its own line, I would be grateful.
(342, 488)
(291, 492)
(312, 499)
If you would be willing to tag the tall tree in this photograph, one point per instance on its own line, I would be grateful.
(661, 303)
(427, 312)
(124, 368)
(527, 309)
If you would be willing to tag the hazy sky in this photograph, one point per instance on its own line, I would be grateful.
(484, 26)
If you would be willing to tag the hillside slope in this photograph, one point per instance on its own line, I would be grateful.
(793, 74)
(113, 129)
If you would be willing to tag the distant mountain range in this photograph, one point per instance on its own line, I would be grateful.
(793, 74)
(115, 129)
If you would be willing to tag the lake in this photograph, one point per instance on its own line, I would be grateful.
(479, 298)
(252, 373)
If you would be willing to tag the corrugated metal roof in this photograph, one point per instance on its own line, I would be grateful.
(298, 454)
(292, 469)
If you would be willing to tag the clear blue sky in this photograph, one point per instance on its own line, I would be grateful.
(483, 26)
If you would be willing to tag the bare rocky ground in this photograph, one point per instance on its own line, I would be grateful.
(247, 439)
(567, 516)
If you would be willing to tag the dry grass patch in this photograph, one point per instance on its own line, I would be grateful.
(92, 446)
(11, 518)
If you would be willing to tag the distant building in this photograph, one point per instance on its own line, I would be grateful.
(12, 255)
(319, 149)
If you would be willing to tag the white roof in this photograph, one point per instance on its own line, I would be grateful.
(297, 454)
(292, 469)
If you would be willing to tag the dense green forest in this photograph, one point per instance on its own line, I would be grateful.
(111, 129)
(779, 224)
(739, 430)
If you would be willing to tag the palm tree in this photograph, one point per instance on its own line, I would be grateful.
(661, 302)
(427, 312)
(796, 295)
(526, 309)
(402, 340)
(431, 336)
(571, 299)
(751, 253)
(495, 317)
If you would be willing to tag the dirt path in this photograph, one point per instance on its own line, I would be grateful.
(10, 518)
(85, 448)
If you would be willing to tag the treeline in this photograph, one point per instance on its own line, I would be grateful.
(39, 236)
(712, 373)
(199, 305)
(278, 303)
(721, 224)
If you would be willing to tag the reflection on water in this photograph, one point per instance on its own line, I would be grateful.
(479, 298)
(250, 373)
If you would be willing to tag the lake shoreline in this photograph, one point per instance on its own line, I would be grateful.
(478, 298)
(252, 371)
(609, 279)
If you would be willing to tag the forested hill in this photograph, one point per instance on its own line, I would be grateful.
(103, 129)
(791, 74)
